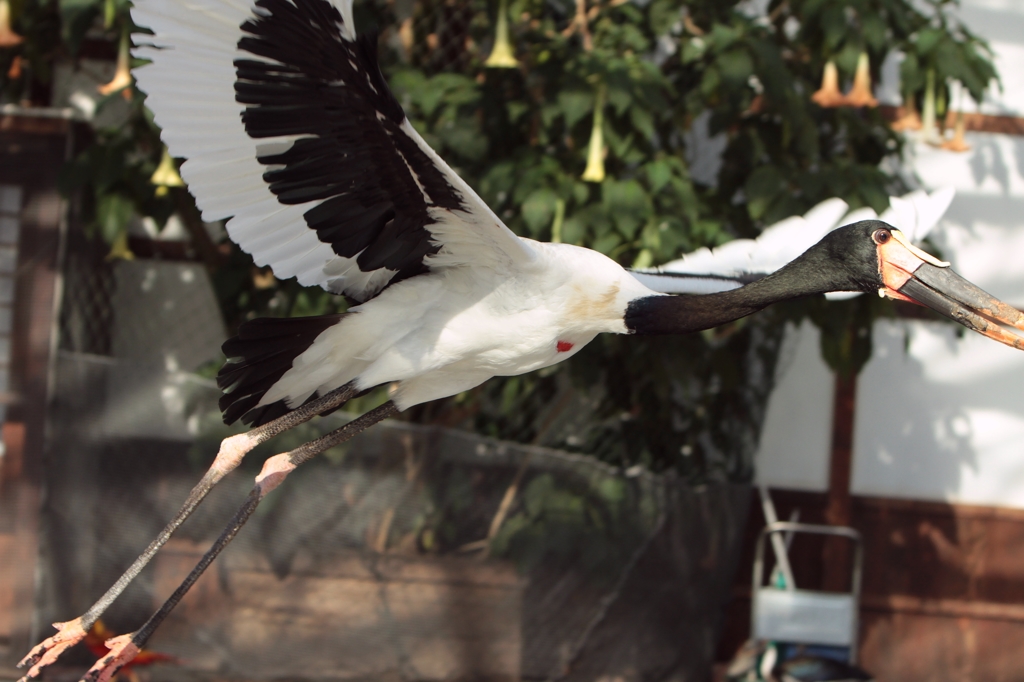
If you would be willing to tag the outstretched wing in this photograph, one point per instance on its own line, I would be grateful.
(742, 261)
(289, 129)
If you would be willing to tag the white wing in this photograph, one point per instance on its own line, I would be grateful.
(744, 260)
(289, 129)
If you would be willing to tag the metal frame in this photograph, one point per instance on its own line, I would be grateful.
(814, 529)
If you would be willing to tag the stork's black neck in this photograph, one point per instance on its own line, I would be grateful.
(845, 260)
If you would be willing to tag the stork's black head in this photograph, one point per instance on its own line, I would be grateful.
(874, 257)
(870, 256)
(855, 258)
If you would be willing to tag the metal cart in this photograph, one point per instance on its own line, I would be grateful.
(800, 616)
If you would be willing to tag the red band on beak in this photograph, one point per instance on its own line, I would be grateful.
(897, 264)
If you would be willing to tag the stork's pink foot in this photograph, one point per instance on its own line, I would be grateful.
(122, 651)
(68, 635)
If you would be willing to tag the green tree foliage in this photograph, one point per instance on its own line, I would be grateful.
(653, 74)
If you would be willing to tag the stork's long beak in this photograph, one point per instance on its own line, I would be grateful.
(910, 274)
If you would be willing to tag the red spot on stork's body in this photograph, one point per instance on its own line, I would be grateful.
(564, 346)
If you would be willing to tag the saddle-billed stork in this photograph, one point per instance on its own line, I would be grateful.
(289, 129)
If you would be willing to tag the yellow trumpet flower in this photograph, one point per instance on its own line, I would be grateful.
(594, 171)
(929, 133)
(860, 94)
(502, 56)
(166, 175)
(120, 250)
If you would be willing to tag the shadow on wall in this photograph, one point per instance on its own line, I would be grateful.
(979, 233)
(939, 417)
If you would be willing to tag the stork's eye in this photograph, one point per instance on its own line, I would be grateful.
(881, 236)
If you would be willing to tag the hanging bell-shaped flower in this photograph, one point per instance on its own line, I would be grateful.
(594, 171)
(109, 13)
(122, 75)
(958, 143)
(860, 94)
(502, 56)
(928, 129)
(8, 38)
(166, 175)
(828, 95)
(910, 120)
(120, 250)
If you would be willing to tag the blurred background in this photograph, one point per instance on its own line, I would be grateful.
(596, 519)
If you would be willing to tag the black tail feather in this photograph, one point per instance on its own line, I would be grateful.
(258, 357)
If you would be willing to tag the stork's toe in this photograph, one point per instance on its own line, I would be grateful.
(122, 651)
(49, 650)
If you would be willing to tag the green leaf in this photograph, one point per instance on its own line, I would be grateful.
(538, 210)
(723, 36)
(658, 174)
(620, 98)
(833, 23)
(574, 105)
(536, 494)
(574, 229)
(644, 259)
(736, 67)
(464, 138)
(516, 110)
(762, 188)
(693, 49)
(607, 242)
(77, 17)
(928, 39)
(661, 16)
(627, 203)
(113, 211)
(875, 31)
(643, 121)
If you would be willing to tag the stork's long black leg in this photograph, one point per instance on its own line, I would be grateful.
(124, 648)
(232, 451)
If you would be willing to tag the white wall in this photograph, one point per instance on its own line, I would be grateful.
(797, 434)
(1001, 23)
(940, 414)
(944, 419)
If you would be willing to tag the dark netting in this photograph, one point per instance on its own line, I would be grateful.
(85, 316)
(373, 560)
(370, 561)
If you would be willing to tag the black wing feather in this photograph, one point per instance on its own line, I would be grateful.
(356, 160)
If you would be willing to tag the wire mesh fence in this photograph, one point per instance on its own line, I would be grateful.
(375, 559)
(412, 552)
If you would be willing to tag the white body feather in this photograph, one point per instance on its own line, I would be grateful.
(440, 334)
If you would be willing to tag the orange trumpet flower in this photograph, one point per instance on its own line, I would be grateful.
(957, 144)
(910, 120)
(122, 75)
(860, 94)
(828, 95)
(8, 38)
